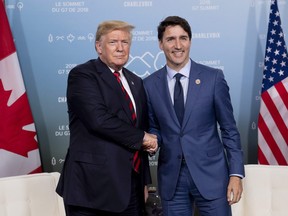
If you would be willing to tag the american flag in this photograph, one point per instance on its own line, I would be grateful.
(273, 116)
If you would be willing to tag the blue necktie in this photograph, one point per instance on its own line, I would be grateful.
(179, 98)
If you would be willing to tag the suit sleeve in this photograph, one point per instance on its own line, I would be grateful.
(154, 127)
(229, 132)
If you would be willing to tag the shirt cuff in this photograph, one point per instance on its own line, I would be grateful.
(238, 175)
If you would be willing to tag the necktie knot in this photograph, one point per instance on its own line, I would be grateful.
(178, 76)
(116, 74)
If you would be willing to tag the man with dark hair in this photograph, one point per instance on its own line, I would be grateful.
(187, 102)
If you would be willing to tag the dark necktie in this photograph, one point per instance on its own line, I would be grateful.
(179, 98)
(136, 157)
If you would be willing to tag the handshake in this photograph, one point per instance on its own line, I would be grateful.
(150, 143)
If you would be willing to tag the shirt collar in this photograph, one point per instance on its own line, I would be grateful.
(112, 70)
(184, 71)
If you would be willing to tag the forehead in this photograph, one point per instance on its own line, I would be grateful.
(117, 34)
(175, 31)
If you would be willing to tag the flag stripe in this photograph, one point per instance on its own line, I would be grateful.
(274, 148)
(279, 123)
(273, 129)
(261, 157)
(271, 124)
(283, 93)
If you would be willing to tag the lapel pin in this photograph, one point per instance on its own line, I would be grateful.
(197, 81)
(132, 82)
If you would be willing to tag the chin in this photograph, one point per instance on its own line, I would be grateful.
(178, 62)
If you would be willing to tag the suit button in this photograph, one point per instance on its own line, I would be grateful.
(181, 134)
(179, 157)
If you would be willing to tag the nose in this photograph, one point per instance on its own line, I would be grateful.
(177, 44)
(119, 46)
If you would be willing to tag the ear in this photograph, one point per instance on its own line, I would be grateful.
(98, 47)
(160, 45)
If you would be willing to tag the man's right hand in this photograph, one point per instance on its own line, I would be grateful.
(150, 143)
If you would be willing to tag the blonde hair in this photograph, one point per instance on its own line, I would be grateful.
(111, 25)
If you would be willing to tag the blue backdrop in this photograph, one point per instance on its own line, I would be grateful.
(53, 36)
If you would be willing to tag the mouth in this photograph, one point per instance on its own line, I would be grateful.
(120, 56)
(178, 52)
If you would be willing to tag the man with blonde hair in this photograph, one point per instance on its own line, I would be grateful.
(106, 167)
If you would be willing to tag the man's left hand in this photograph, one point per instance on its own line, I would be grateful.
(234, 190)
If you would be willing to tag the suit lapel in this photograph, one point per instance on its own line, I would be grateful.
(107, 76)
(193, 91)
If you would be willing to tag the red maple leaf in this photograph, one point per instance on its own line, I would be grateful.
(12, 136)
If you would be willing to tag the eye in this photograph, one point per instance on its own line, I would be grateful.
(184, 38)
(125, 42)
(169, 39)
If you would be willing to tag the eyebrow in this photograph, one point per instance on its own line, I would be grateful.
(173, 37)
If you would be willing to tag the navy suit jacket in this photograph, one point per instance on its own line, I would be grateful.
(97, 169)
(207, 106)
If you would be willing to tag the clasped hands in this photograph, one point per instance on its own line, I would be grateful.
(150, 143)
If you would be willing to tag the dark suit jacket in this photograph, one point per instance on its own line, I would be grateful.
(98, 165)
(197, 140)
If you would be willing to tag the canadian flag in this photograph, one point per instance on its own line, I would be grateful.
(19, 152)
